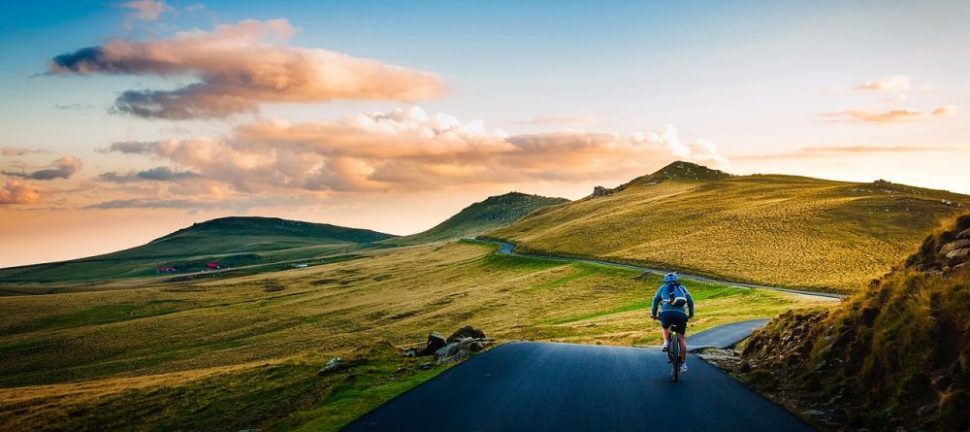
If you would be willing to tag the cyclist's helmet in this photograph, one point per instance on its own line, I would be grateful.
(670, 277)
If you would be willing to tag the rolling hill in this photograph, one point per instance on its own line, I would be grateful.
(231, 241)
(481, 217)
(774, 229)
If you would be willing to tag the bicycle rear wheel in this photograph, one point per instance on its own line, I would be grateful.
(674, 353)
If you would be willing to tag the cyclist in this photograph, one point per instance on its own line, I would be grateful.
(676, 307)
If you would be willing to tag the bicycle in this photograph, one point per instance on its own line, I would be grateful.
(673, 352)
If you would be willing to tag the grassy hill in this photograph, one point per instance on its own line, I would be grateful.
(896, 355)
(481, 217)
(775, 229)
(231, 241)
(214, 354)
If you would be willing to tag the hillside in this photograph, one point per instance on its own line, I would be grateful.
(773, 229)
(213, 355)
(231, 242)
(897, 354)
(481, 217)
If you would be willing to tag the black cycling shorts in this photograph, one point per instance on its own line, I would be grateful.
(674, 318)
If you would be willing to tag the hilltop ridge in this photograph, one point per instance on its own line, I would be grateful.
(675, 171)
(229, 241)
(492, 213)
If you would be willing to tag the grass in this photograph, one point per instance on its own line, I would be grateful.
(894, 357)
(232, 242)
(229, 354)
(770, 229)
(481, 217)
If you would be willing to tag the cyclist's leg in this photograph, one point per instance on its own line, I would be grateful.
(680, 320)
(665, 327)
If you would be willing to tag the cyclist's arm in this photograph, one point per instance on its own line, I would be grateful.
(690, 303)
(656, 302)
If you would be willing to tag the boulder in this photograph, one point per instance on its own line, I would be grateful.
(460, 349)
(958, 254)
(954, 245)
(466, 332)
(333, 365)
(435, 342)
(446, 351)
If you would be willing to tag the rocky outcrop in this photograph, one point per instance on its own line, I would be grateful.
(460, 348)
(600, 191)
(459, 345)
(466, 332)
(944, 252)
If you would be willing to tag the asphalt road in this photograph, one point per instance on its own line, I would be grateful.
(724, 336)
(527, 386)
(506, 248)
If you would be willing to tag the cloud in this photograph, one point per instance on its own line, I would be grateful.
(74, 107)
(239, 67)
(195, 7)
(129, 147)
(892, 116)
(147, 10)
(19, 151)
(409, 150)
(18, 192)
(900, 98)
(945, 111)
(61, 168)
(158, 174)
(830, 150)
(833, 151)
(895, 83)
(150, 203)
(563, 120)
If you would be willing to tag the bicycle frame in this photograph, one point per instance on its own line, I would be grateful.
(673, 352)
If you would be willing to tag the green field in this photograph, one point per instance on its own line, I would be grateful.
(770, 229)
(239, 353)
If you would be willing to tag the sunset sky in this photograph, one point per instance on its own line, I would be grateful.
(123, 121)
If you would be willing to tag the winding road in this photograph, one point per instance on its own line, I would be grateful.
(506, 248)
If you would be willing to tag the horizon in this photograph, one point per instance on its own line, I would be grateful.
(125, 121)
(432, 224)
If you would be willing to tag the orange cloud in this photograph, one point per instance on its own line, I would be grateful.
(18, 192)
(239, 67)
(895, 83)
(409, 151)
(834, 151)
(892, 116)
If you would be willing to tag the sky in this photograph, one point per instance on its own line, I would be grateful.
(123, 121)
